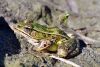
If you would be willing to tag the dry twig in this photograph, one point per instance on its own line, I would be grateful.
(66, 61)
(86, 39)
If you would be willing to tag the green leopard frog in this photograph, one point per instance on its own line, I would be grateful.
(50, 38)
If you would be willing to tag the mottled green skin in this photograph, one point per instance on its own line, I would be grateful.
(49, 30)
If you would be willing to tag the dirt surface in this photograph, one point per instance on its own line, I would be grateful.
(15, 50)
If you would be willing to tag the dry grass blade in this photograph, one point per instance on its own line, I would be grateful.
(66, 61)
(86, 39)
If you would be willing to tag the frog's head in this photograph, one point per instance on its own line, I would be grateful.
(23, 24)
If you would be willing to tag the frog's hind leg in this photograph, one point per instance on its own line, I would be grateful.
(76, 51)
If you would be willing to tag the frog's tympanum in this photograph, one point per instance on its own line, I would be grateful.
(50, 38)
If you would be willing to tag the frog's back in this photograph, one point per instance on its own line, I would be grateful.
(48, 30)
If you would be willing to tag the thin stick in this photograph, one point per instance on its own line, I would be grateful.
(86, 39)
(66, 61)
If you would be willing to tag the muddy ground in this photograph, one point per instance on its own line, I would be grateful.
(15, 50)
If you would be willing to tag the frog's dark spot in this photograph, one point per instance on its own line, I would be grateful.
(26, 48)
(42, 66)
(45, 45)
(34, 65)
(22, 64)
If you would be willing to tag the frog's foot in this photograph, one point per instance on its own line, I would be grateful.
(43, 45)
(73, 54)
(62, 53)
(70, 49)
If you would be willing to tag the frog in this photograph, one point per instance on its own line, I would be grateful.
(51, 39)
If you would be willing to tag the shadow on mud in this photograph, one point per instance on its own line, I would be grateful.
(9, 44)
